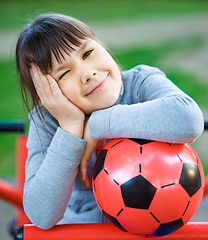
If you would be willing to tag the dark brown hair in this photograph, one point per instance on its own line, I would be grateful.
(46, 35)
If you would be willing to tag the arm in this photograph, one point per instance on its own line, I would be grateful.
(51, 169)
(53, 157)
(153, 108)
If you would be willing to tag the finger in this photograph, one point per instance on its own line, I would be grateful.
(89, 149)
(83, 169)
(35, 76)
(45, 83)
(40, 81)
(86, 183)
(54, 87)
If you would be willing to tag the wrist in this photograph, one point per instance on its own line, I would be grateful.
(75, 129)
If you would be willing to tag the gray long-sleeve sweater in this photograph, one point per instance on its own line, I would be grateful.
(150, 107)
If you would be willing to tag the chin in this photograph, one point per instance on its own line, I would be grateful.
(110, 102)
(107, 102)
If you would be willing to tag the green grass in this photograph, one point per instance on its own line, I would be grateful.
(205, 167)
(10, 108)
(7, 154)
(11, 104)
(189, 83)
(14, 13)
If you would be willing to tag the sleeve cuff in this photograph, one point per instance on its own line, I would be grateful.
(99, 124)
(67, 146)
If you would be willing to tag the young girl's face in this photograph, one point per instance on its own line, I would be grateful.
(88, 77)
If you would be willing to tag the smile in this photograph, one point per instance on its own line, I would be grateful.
(98, 87)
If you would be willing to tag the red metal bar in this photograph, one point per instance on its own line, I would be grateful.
(21, 157)
(206, 186)
(191, 231)
(10, 194)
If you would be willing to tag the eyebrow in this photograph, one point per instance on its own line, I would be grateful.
(83, 46)
(60, 68)
(63, 66)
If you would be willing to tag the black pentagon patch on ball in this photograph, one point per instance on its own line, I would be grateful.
(138, 193)
(141, 141)
(99, 163)
(190, 178)
(167, 228)
(114, 221)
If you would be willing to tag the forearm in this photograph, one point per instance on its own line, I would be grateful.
(172, 119)
(47, 191)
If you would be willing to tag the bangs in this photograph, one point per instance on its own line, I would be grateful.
(52, 38)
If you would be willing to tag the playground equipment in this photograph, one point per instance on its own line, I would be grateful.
(9, 193)
(27, 231)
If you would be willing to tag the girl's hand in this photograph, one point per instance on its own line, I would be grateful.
(69, 116)
(91, 146)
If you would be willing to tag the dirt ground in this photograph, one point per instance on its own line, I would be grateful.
(148, 33)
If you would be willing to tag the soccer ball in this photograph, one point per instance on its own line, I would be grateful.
(146, 187)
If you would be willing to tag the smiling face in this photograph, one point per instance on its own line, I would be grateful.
(88, 76)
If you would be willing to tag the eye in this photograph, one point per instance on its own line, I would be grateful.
(86, 54)
(63, 74)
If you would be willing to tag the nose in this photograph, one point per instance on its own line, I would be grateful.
(87, 75)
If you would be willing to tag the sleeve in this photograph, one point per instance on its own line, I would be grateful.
(156, 109)
(51, 169)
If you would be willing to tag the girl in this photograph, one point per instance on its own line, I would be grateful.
(80, 99)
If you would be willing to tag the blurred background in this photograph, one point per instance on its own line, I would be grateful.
(171, 35)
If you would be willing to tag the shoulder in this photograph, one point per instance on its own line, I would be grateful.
(140, 72)
(135, 79)
(43, 120)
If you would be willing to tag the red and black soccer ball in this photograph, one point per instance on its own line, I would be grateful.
(146, 187)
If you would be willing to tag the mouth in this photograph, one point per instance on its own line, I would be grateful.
(98, 87)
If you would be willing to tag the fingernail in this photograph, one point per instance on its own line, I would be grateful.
(48, 78)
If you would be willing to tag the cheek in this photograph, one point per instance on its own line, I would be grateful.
(116, 72)
(69, 91)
